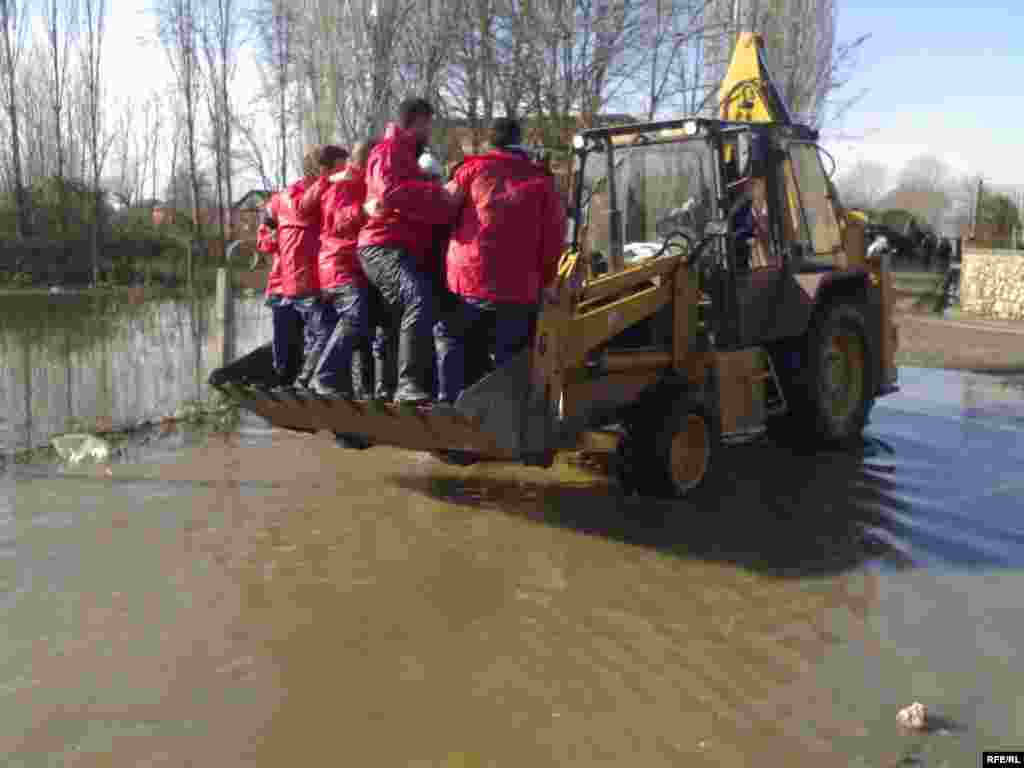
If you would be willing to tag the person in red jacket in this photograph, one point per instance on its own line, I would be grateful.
(286, 345)
(296, 212)
(508, 237)
(395, 245)
(343, 285)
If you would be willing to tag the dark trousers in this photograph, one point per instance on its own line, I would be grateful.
(302, 328)
(409, 296)
(350, 308)
(471, 333)
(318, 318)
(287, 343)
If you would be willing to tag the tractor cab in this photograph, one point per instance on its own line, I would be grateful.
(749, 205)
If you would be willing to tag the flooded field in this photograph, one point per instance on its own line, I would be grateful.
(264, 599)
(74, 361)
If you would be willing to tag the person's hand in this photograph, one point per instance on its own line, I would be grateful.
(373, 208)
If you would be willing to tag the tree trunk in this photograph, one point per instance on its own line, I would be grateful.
(8, 17)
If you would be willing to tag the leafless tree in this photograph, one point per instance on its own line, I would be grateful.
(221, 33)
(13, 22)
(276, 27)
(61, 17)
(925, 188)
(810, 65)
(864, 184)
(177, 25)
(94, 18)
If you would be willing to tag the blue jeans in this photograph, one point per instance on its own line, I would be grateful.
(470, 333)
(350, 307)
(318, 319)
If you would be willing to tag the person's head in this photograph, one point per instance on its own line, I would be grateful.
(505, 132)
(332, 158)
(416, 115)
(361, 152)
(311, 161)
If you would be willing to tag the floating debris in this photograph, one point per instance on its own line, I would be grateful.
(78, 448)
(913, 717)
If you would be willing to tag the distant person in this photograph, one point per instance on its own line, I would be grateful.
(508, 237)
(395, 246)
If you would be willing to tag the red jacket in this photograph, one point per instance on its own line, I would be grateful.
(297, 212)
(341, 217)
(510, 231)
(394, 179)
(266, 242)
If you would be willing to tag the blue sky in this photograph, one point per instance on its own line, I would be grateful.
(945, 77)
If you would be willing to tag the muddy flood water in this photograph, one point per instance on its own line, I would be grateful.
(267, 599)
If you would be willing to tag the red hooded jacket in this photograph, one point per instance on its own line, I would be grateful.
(297, 212)
(266, 242)
(341, 217)
(510, 231)
(418, 204)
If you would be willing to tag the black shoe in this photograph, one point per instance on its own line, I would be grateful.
(457, 458)
(352, 442)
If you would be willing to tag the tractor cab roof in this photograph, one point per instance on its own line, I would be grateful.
(680, 129)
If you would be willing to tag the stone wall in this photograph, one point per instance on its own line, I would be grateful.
(992, 283)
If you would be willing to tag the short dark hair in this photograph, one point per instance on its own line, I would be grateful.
(412, 108)
(505, 132)
(311, 160)
(331, 155)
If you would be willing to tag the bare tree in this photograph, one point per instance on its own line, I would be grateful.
(276, 33)
(221, 33)
(94, 25)
(864, 184)
(925, 188)
(13, 20)
(61, 18)
(809, 63)
(177, 28)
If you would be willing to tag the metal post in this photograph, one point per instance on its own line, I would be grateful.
(225, 315)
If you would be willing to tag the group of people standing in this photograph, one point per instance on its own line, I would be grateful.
(373, 252)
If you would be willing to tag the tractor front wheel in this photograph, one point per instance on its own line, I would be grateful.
(830, 394)
(669, 457)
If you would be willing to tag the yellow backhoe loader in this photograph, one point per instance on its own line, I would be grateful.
(713, 287)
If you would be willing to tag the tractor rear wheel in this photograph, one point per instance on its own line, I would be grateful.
(831, 391)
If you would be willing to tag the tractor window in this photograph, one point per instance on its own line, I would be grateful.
(814, 195)
(659, 188)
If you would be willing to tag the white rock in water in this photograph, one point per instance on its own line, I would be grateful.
(913, 716)
(75, 449)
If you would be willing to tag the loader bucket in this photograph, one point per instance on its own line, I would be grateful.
(496, 418)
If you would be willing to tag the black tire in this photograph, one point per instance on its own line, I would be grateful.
(655, 456)
(830, 391)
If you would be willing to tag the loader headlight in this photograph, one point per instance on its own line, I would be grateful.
(578, 142)
(690, 128)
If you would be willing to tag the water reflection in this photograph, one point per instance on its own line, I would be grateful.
(113, 361)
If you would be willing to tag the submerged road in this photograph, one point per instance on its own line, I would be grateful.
(266, 599)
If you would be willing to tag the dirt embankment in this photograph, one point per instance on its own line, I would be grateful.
(932, 341)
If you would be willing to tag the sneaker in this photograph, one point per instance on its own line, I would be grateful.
(326, 391)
